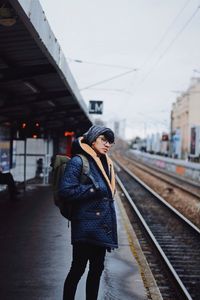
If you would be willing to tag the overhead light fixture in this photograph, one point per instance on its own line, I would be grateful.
(7, 16)
(31, 87)
(51, 103)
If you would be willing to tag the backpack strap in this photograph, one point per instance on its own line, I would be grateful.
(86, 166)
(86, 171)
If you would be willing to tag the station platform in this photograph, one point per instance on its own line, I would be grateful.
(35, 253)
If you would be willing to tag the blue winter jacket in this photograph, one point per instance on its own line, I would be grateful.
(93, 212)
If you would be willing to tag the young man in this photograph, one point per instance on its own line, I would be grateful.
(93, 225)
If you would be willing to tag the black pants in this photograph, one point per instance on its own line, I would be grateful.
(7, 178)
(82, 253)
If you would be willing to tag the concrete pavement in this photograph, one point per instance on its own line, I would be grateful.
(35, 253)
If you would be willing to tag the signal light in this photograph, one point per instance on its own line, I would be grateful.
(23, 125)
(68, 133)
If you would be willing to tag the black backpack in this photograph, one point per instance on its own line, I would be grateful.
(59, 165)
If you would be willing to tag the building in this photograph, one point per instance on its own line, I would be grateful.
(185, 115)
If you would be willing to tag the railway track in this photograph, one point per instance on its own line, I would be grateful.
(186, 186)
(173, 238)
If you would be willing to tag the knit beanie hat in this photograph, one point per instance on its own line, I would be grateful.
(92, 134)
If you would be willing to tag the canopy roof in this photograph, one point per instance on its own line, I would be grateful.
(35, 82)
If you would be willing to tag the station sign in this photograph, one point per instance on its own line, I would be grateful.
(95, 107)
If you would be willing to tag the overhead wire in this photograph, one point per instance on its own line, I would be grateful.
(112, 90)
(131, 70)
(165, 33)
(168, 47)
(108, 79)
(152, 52)
(99, 64)
(179, 33)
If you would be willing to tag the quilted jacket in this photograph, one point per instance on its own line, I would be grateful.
(93, 212)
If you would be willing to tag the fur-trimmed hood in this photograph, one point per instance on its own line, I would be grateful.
(85, 148)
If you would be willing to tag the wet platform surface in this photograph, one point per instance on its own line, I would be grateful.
(35, 253)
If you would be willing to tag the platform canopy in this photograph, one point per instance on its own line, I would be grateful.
(36, 85)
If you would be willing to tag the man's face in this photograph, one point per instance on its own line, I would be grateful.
(101, 145)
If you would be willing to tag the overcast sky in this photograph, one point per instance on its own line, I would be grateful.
(158, 38)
